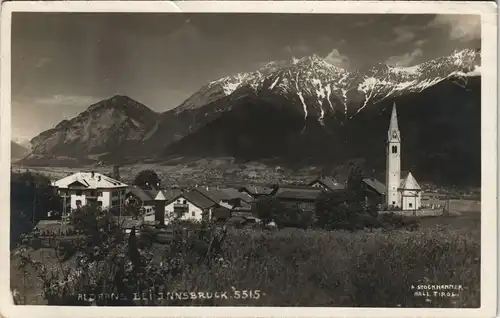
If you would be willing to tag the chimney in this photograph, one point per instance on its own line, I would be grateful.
(98, 178)
(92, 174)
(206, 188)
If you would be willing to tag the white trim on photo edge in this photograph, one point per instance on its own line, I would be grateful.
(488, 150)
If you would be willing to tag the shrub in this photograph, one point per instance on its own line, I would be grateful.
(294, 216)
(268, 208)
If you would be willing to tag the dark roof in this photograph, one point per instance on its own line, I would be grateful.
(375, 185)
(299, 195)
(298, 192)
(143, 195)
(297, 187)
(328, 182)
(257, 189)
(196, 198)
(150, 195)
(231, 193)
(211, 193)
(171, 193)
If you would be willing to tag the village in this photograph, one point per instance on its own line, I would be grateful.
(167, 229)
(155, 205)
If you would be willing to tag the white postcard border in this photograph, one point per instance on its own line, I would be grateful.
(489, 87)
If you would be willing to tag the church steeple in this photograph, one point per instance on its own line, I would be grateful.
(393, 158)
(394, 118)
(393, 132)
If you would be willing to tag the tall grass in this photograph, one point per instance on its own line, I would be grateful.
(294, 267)
(337, 268)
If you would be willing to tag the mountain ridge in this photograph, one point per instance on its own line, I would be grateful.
(307, 99)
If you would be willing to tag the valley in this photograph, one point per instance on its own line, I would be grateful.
(298, 114)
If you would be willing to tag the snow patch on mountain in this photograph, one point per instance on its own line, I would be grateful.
(315, 82)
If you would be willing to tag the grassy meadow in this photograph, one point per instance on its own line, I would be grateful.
(362, 269)
(293, 267)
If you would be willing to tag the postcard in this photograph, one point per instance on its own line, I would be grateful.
(260, 158)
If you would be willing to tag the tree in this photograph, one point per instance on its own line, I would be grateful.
(294, 216)
(147, 179)
(133, 208)
(336, 210)
(109, 263)
(31, 197)
(355, 180)
(268, 208)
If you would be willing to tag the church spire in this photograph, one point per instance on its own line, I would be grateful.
(393, 132)
(394, 119)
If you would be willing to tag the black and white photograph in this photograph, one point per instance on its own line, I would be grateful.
(258, 158)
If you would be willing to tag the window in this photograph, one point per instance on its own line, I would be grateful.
(78, 202)
(92, 193)
(78, 192)
(393, 202)
(184, 202)
(99, 193)
(394, 149)
(193, 213)
(410, 205)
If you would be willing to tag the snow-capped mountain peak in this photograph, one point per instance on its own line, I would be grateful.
(319, 87)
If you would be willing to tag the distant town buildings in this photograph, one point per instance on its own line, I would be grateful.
(223, 201)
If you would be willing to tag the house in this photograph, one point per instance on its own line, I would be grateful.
(326, 183)
(141, 198)
(304, 197)
(257, 191)
(83, 188)
(145, 198)
(189, 205)
(229, 198)
(374, 190)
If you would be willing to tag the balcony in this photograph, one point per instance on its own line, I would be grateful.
(180, 205)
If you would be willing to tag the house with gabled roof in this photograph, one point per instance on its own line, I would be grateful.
(188, 205)
(229, 198)
(304, 197)
(145, 198)
(374, 190)
(327, 184)
(256, 191)
(83, 188)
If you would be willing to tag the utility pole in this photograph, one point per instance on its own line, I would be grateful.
(34, 202)
(63, 213)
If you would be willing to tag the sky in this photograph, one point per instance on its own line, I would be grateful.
(64, 62)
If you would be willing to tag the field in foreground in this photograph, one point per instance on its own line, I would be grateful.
(294, 267)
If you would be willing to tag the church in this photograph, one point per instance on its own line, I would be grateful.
(405, 193)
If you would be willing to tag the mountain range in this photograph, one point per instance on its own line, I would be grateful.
(18, 151)
(298, 112)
